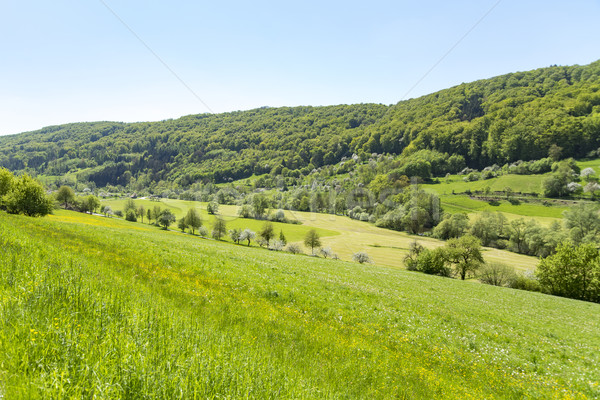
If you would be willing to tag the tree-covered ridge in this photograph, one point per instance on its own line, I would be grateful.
(517, 116)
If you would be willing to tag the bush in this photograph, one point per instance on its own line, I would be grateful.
(361, 257)
(212, 207)
(203, 231)
(326, 252)
(294, 248)
(276, 245)
(131, 216)
(525, 281)
(279, 216)
(496, 274)
(427, 261)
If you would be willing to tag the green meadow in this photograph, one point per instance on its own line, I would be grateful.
(345, 236)
(98, 307)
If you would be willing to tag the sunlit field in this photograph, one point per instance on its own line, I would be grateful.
(97, 307)
(343, 235)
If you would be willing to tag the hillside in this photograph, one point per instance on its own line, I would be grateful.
(517, 116)
(98, 307)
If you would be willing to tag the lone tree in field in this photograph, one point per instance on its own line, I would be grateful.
(156, 213)
(91, 203)
(282, 237)
(219, 229)
(312, 240)
(193, 219)
(129, 205)
(235, 234)
(248, 235)
(361, 257)
(212, 207)
(465, 254)
(166, 218)
(65, 195)
(141, 211)
(267, 232)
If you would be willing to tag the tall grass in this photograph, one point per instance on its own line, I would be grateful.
(101, 310)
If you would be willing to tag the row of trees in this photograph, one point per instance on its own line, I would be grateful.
(581, 225)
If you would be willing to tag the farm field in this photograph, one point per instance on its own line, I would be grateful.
(93, 308)
(343, 235)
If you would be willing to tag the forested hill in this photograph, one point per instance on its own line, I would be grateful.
(506, 118)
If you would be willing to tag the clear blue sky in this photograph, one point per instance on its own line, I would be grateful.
(72, 60)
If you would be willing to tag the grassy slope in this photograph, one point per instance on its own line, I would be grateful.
(92, 307)
(345, 236)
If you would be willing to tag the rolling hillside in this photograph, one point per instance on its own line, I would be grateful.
(98, 307)
(518, 116)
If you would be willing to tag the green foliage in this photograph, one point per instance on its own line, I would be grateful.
(165, 219)
(267, 232)
(181, 224)
(212, 207)
(91, 203)
(489, 227)
(131, 216)
(282, 237)
(431, 262)
(312, 240)
(496, 274)
(236, 235)
(219, 228)
(519, 116)
(464, 254)
(452, 226)
(583, 221)
(65, 195)
(26, 196)
(193, 219)
(574, 271)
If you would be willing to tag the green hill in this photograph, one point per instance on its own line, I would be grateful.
(498, 120)
(93, 308)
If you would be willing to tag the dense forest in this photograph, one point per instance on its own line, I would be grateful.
(518, 116)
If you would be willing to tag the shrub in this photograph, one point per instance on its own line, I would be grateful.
(293, 248)
(203, 231)
(525, 281)
(326, 252)
(361, 257)
(276, 245)
(496, 274)
(131, 216)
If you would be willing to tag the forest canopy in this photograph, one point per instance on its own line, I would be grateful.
(517, 116)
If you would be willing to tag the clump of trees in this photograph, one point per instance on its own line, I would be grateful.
(459, 257)
(23, 195)
(573, 271)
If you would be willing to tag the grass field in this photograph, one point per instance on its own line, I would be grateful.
(91, 308)
(343, 235)
(463, 203)
(518, 183)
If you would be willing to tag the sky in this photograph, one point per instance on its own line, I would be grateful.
(68, 61)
